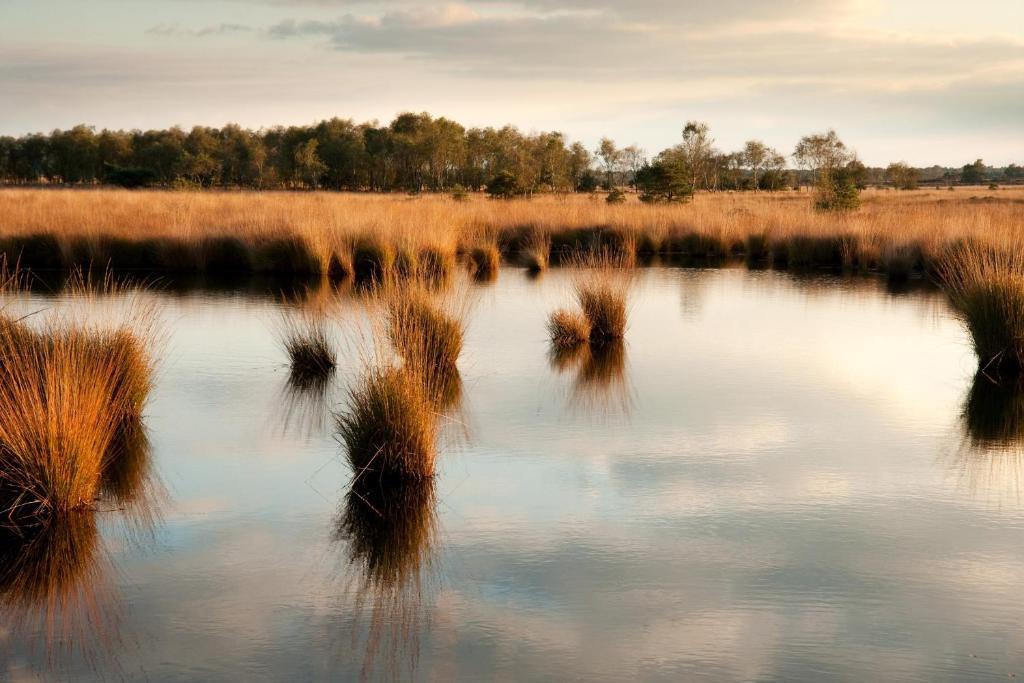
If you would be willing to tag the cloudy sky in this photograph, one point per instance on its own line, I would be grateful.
(928, 81)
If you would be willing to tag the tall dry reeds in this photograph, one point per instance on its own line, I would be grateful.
(985, 282)
(362, 234)
(70, 395)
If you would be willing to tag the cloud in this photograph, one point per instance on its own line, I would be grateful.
(222, 29)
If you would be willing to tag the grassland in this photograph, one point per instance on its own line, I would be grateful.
(899, 233)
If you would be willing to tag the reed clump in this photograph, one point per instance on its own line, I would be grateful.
(601, 286)
(427, 332)
(389, 429)
(69, 395)
(310, 352)
(986, 286)
(484, 262)
(568, 329)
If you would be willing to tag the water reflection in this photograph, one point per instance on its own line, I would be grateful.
(599, 381)
(56, 578)
(990, 459)
(390, 536)
(304, 404)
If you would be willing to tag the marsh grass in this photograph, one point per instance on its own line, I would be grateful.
(986, 287)
(312, 358)
(536, 252)
(69, 392)
(568, 330)
(484, 262)
(389, 428)
(601, 285)
(426, 331)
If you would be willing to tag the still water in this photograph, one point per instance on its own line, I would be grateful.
(776, 478)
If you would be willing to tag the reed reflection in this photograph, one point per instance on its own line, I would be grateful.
(599, 378)
(390, 535)
(989, 459)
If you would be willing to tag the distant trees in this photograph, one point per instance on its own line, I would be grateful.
(902, 176)
(973, 174)
(417, 152)
(837, 172)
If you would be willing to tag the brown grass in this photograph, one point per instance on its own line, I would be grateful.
(389, 428)
(69, 394)
(568, 329)
(985, 282)
(293, 233)
(311, 355)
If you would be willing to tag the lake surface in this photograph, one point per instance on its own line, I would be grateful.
(777, 478)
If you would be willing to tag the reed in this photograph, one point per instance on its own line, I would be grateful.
(601, 287)
(568, 329)
(985, 283)
(389, 428)
(310, 352)
(69, 395)
(427, 332)
(536, 251)
(360, 234)
(484, 262)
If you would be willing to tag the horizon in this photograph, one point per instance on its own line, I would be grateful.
(917, 83)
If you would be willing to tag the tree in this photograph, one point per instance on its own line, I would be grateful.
(697, 153)
(901, 176)
(1013, 171)
(755, 156)
(309, 168)
(633, 159)
(973, 174)
(664, 180)
(611, 157)
(835, 170)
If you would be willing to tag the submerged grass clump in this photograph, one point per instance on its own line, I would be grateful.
(389, 429)
(309, 349)
(986, 287)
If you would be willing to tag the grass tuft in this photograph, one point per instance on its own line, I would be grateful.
(389, 429)
(568, 329)
(986, 287)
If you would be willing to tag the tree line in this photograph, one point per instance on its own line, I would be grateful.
(418, 152)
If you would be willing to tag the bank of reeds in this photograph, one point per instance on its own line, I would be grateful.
(985, 282)
(363, 236)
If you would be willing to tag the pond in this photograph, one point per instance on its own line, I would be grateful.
(777, 478)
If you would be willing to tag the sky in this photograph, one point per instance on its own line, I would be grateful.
(924, 81)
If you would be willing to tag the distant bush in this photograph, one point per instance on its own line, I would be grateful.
(505, 185)
(459, 193)
(129, 177)
(663, 182)
(616, 196)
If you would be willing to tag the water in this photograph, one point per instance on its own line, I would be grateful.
(774, 480)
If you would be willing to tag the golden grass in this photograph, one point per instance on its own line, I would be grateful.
(70, 393)
(389, 428)
(246, 231)
(568, 329)
(310, 352)
(986, 285)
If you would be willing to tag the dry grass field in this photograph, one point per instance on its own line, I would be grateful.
(895, 232)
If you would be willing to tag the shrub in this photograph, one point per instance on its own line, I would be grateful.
(616, 196)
